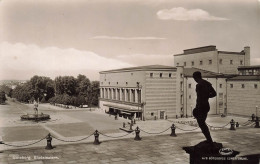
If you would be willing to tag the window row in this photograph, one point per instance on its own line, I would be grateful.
(210, 62)
(231, 86)
(161, 75)
(121, 94)
(243, 86)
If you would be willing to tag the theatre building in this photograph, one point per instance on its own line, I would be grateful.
(142, 92)
(243, 92)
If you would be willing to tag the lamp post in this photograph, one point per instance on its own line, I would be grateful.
(138, 86)
(256, 110)
(191, 110)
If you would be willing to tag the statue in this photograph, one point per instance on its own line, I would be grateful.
(35, 107)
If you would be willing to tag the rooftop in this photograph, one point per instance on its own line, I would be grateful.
(249, 67)
(207, 49)
(189, 72)
(245, 77)
(141, 68)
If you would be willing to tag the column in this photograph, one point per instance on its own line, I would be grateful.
(136, 97)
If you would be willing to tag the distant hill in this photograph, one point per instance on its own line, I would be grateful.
(12, 83)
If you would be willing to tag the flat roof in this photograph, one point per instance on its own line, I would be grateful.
(188, 72)
(245, 78)
(249, 67)
(206, 49)
(142, 68)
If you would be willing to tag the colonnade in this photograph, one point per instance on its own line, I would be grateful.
(121, 94)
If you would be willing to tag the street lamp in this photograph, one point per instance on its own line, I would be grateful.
(138, 98)
(256, 110)
(191, 110)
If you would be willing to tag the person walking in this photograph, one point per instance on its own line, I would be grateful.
(204, 91)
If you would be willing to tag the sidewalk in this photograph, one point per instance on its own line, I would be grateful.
(151, 149)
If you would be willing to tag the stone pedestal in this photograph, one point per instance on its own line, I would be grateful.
(206, 153)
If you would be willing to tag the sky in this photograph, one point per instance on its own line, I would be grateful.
(58, 38)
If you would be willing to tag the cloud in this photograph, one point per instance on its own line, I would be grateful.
(147, 59)
(182, 14)
(27, 60)
(127, 38)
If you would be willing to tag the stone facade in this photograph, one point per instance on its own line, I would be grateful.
(221, 69)
(209, 58)
(141, 92)
(243, 96)
(157, 91)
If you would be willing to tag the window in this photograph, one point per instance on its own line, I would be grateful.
(241, 62)
(151, 74)
(126, 83)
(220, 85)
(177, 64)
(220, 61)
(192, 63)
(160, 75)
(210, 61)
(189, 85)
(255, 86)
(220, 104)
(243, 86)
(231, 85)
(220, 95)
(116, 82)
(109, 83)
(184, 63)
(181, 75)
(170, 75)
(231, 61)
(152, 114)
(189, 96)
(201, 62)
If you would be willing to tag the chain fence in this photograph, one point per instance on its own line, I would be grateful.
(137, 130)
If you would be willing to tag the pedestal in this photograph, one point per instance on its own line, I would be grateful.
(206, 153)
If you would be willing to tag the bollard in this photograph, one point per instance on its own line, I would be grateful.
(257, 122)
(137, 134)
(232, 125)
(134, 121)
(123, 125)
(173, 131)
(96, 135)
(49, 138)
(253, 117)
(115, 117)
(237, 125)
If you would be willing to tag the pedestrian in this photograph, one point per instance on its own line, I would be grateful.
(204, 91)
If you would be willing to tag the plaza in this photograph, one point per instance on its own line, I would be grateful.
(69, 125)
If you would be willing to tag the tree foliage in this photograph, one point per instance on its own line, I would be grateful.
(2, 97)
(65, 90)
(6, 89)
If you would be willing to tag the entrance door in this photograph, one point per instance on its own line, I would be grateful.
(162, 114)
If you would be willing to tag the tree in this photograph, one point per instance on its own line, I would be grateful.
(2, 97)
(93, 93)
(43, 87)
(6, 89)
(65, 85)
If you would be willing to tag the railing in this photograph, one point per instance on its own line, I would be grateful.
(233, 126)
